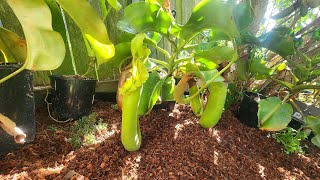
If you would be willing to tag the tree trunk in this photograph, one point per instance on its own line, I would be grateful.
(259, 9)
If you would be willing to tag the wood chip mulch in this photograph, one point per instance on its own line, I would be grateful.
(174, 146)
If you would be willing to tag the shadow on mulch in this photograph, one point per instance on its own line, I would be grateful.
(173, 146)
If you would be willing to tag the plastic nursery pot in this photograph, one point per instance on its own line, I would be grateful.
(247, 113)
(17, 103)
(72, 96)
(167, 105)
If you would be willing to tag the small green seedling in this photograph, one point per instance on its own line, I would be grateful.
(83, 131)
(291, 138)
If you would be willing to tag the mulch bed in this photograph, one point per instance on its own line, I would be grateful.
(174, 146)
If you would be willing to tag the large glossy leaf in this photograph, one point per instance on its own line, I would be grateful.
(12, 46)
(143, 16)
(45, 47)
(316, 140)
(57, 19)
(279, 41)
(122, 53)
(313, 123)
(91, 26)
(150, 92)
(210, 14)
(273, 114)
(243, 15)
(217, 54)
(257, 67)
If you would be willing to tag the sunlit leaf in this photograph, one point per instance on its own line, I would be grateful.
(316, 140)
(273, 114)
(122, 52)
(139, 72)
(217, 54)
(91, 26)
(13, 46)
(257, 67)
(141, 17)
(210, 14)
(115, 4)
(45, 47)
(313, 123)
(279, 41)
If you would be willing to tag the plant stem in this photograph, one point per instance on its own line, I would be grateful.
(69, 41)
(14, 73)
(211, 80)
(161, 50)
(160, 62)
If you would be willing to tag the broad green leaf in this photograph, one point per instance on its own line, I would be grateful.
(313, 123)
(141, 17)
(210, 14)
(217, 54)
(122, 52)
(273, 114)
(279, 41)
(45, 47)
(243, 15)
(316, 140)
(154, 37)
(12, 46)
(57, 19)
(257, 67)
(217, 34)
(207, 75)
(205, 65)
(150, 92)
(168, 89)
(91, 26)
(125, 37)
(299, 70)
(316, 34)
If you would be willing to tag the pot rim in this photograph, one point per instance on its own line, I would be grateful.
(71, 78)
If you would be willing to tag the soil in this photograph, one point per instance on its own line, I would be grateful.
(174, 146)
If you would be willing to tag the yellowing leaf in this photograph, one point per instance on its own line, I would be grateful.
(45, 47)
(92, 26)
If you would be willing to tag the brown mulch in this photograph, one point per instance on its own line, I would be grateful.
(174, 146)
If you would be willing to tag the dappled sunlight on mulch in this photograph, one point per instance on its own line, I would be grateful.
(173, 146)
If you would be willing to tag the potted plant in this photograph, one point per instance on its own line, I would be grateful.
(275, 113)
(200, 48)
(36, 52)
(72, 96)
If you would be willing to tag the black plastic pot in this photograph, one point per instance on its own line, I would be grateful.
(167, 105)
(17, 103)
(247, 113)
(72, 97)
